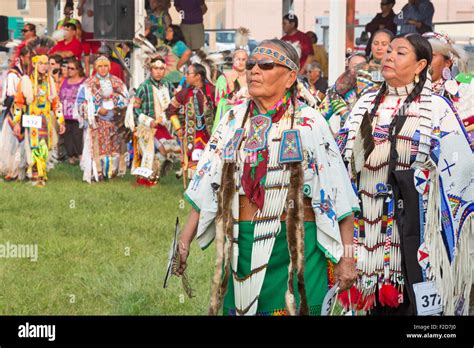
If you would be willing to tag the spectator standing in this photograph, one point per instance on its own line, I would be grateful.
(149, 33)
(192, 13)
(85, 9)
(320, 54)
(297, 38)
(383, 20)
(58, 71)
(159, 18)
(68, 13)
(55, 70)
(175, 39)
(68, 94)
(29, 34)
(415, 17)
(70, 46)
(381, 40)
(316, 82)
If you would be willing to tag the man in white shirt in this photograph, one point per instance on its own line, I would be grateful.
(85, 9)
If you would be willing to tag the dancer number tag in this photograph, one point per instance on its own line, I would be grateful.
(329, 300)
(29, 121)
(145, 172)
(428, 302)
(108, 104)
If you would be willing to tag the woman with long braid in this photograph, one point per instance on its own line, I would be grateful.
(408, 154)
(272, 190)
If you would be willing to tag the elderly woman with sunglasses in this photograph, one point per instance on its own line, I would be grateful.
(272, 190)
(411, 162)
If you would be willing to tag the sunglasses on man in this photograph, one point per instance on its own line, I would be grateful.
(25, 30)
(264, 64)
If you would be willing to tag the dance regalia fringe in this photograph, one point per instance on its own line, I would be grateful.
(431, 142)
(104, 149)
(149, 104)
(332, 198)
(12, 151)
(195, 108)
(38, 141)
(462, 100)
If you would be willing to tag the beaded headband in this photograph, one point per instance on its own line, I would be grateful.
(442, 43)
(444, 38)
(102, 59)
(157, 64)
(277, 55)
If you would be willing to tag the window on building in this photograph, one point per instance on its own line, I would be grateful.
(22, 5)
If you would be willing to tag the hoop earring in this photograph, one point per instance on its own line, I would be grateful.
(417, 78)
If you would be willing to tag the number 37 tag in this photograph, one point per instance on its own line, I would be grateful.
(330, 300)
(428, 302)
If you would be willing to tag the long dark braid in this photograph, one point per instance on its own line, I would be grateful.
(366, 124)
(295, 203)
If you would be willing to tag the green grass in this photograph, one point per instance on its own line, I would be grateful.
(83, 233)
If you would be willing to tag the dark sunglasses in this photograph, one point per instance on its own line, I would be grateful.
(264, 64)
(25, 30)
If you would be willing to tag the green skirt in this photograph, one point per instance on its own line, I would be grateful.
(272, 297)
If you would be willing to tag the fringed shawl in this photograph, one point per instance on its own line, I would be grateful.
(440, 148)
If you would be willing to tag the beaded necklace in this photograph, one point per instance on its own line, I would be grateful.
(200, 124)
(255, 167)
